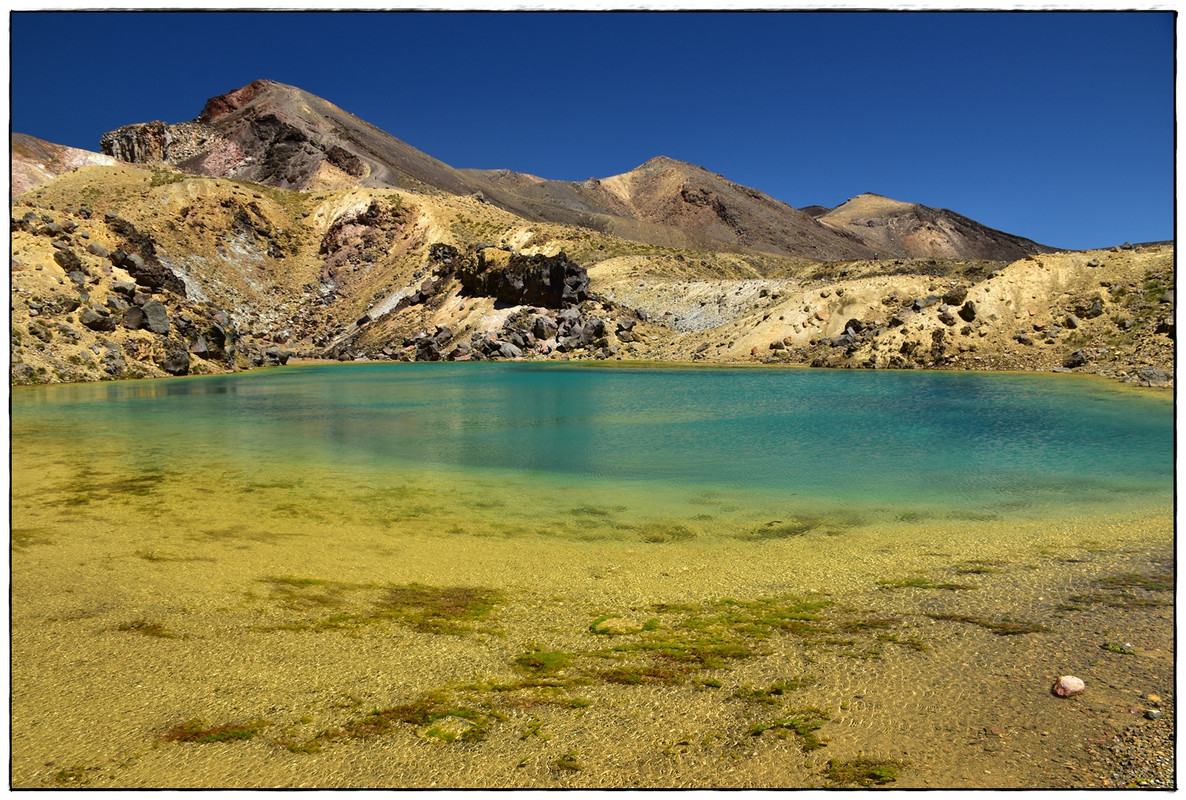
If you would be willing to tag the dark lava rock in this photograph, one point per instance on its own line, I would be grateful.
(1152, 376)
(1023, 338)
(134, 318)
(176, 360)
(145, 268)
(156, 317)
(537, 280)
(967, 311)
(956, 296)
(68, 260)
(275, 357)
(96, 249)
(1075, 359)
(96, 319)
(544, 327)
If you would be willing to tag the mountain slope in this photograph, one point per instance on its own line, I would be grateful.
(128, 271)
(282, 136)
(674, 203)
(36, 161)
(910, 230)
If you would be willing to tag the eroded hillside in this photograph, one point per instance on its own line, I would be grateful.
(126, 271)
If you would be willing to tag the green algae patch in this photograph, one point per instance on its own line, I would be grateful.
(437, 715)
(1126, 590)
(1006, 626)
(774, 693)
(431, 609)
(921, 582)
(862, 772)
(455, 610)
(147, 628)
(802, 724)
(195, 731)
(543, 662)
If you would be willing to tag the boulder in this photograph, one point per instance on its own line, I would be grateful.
(1075, 359)
(274, 357)
(967, 311)
(543, 327)
(68, 260)
(956, 296)
(156, 317)
(96, 319)
(134, 318)
(1152, 376)
(176, 360)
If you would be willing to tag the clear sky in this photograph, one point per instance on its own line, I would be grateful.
(1056, 126)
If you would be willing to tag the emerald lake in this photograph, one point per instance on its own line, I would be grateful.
(661, 453)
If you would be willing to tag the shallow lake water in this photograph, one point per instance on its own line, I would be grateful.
(624, 452)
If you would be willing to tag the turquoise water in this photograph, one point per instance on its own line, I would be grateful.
(976, 445)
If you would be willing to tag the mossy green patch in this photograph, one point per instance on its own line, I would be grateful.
(147, 628)
(455, 610)
(569, 762)
(1006, 626)
(432, 609)
(1126, 590)
(773, 693)
(921, 582)
(863, 772)
(543, 662)
(195, 731)
(803, 724)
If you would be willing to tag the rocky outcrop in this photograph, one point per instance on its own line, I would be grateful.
(535, 280)
(158, 143)
(142, 264)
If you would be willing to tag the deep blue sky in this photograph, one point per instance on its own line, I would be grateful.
(1056, 126)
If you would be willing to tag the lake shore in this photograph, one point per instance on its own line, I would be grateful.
(356, 660)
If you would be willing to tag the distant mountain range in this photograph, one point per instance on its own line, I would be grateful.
(282, 136)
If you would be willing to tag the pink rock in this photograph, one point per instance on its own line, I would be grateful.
(1069, 685)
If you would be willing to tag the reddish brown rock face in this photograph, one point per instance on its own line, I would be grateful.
(224, 105)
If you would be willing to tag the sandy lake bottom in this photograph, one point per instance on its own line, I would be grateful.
(169, 633)
(188, 612)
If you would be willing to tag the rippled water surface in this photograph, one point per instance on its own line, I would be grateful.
(618, 445)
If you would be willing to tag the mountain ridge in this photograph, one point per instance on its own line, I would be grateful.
(283, 136)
